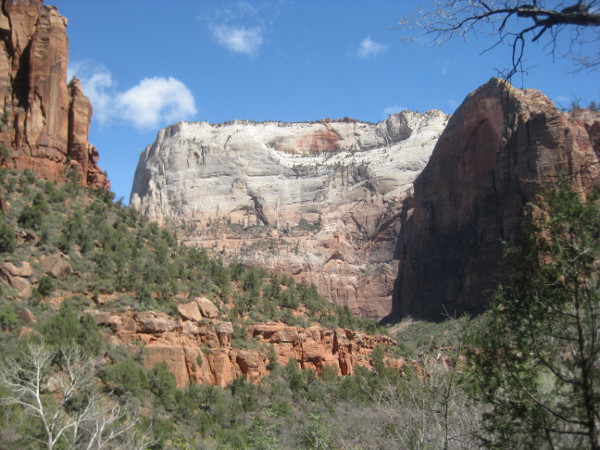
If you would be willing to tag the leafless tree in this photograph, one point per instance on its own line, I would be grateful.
(43, 389)
(513, 22)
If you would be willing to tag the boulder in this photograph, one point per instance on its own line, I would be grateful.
(26, 316)
(207, 308)
(190, 311)
(153, 323)
(56, 266)
(24, 269)
(171, 354)
(18, 277)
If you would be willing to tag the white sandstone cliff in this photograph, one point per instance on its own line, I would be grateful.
(321, 200)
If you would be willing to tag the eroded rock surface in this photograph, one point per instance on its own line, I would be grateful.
(44, 122)
(201, 351)
(501, 148)
(320, 201)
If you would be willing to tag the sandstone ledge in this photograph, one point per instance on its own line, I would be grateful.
(202, 351)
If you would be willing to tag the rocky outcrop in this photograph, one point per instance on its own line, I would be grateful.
(320, 201)
(501, 148)
(43, 122)
(20, 277)
(201, 351)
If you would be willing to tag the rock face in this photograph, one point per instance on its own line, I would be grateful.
(499, 150)
(202, 352)
(43, 122)
(320, 201)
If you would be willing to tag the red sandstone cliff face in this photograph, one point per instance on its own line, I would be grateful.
(197, 346)
(43, 121)
(499, 150)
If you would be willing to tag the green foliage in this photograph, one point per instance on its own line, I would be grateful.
(4, 151)
(53, 194)
(317, 435)
(8, 238)
(76, 230)
(536, 353)
(32, 216)
(46, 286)
(73, 184)
(123, 261)
(128, 376)
(161, 383)
(8, 317)
(68, 328)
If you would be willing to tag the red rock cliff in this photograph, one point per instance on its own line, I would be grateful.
(499, 150)
(43, 121)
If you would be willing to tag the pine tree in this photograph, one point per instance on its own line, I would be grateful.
(536, 357)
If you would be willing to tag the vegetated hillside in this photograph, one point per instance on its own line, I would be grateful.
(88, 283)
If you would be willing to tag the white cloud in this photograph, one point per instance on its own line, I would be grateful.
(238, 39)
(241, 27)
(97, 82)
(156, 100)
(151, 103)
(369, 48)
(393, 110)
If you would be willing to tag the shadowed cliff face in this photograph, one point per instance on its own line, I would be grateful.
(43, 121)
(320, 201)
(499, 150)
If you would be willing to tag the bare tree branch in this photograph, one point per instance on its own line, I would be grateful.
(99, 423)
(509, 21)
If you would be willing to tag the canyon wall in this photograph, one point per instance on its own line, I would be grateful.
(501, 148)
(321, 201)
(44, 123)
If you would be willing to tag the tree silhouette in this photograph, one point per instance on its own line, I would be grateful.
(514, 23)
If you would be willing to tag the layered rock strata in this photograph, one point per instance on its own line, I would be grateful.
(502, 147)
(44, 123)
(321, 201)
(198, 349)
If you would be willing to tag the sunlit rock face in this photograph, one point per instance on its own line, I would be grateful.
(44, 123)
(201, 351)
(321, 201)
(501, 149)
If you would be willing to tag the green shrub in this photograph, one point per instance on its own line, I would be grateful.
(128, 376)
(46, 286)
(32, 216)
(66, 328)
(8, 238)
(8, 317)
(162, 384)
(4, 151)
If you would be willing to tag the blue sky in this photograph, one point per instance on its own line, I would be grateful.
(146, 64)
